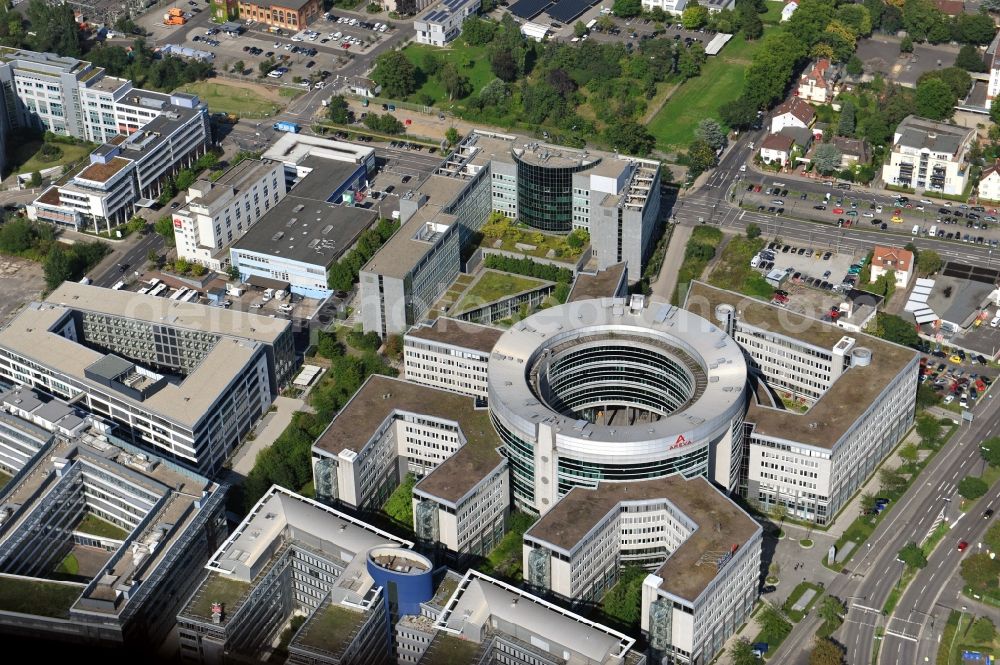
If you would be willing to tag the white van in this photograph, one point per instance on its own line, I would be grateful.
(933, 232)
(755, 261)
(916, 230)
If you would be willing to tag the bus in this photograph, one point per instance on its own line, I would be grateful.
(144, 290)
(178, 294)
(153, 283)
(158, 289)
(192, 296)
(118, 286)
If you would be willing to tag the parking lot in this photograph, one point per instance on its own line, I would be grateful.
(881, 54)
(815, 275)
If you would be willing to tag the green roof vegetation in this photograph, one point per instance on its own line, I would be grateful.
(331, 629)
(217, 589)
(445, 650)
(493, 286)
(4, 478)
(444, 591)
(102, 528)
(47, 599)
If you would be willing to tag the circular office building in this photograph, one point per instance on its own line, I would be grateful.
(545, 185)
(612, 390)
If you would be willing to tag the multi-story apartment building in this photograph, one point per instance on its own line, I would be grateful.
(826, 408)
(450, 354)
(443, 22)
(216, 214)
(704, 549)
(182, 379)
(929, 156)
(292, 555)
(550, 188)
(391, 427)
(291, 15)
(142, 526)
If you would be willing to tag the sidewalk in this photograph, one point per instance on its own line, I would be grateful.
(269, 428)
(666, 281)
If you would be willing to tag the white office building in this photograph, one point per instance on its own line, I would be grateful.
(185, 380)
(449, 354)
(826, 408)
(675, 7)
(443, 22)
(929, 156)
(703, 549)
(217, 214)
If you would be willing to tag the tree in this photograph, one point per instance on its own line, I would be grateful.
(239, 66)
(623, 600)
(826, 652)
(912, 555)
(265, 66)
(701, 157)
(741, 653)
(454, 82)
(926, 396)
(846, 125)
(395, 73)
(970, 59)
(752, 26)
(868, 503)
(891, 480)
(831, 609)
(478, 31)
(58, 266)
(772, 622)
(338, 111)
(340, 277)
(855, 67)
(36, 179)
(394, 346)
(906, 45)
(982, 631)
(626, 8)
(928, 429)
(739, 113)
(989, 449)
(710, 132)
(452, 136)
(579, 29)
(908, 453)
(827, 158)
(895, 329)
(503, 65)
(972, 487)
(753, 231)
(935, 99)
(630, 137)
(694, 16)
(980, 571)
(928, 262)
(957, 79)
(974, 28)
(165, 227)
(54, 28)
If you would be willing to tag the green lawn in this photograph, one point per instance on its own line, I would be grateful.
(25, 158)
(223, 98)
(733, 271)
(798, 592)
(69, 565)
(470, 61)
(721, 81)
(331, 628)
(773, 14)
(505, 559)
(495, 285)
(49, 599)
(217, 589)
(99, 527)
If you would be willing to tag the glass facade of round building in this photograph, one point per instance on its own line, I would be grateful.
(545, 194)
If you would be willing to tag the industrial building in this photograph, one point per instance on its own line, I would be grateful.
(551, 188)
(825, 408)
(184, 380)
(291, 15)
(216, 214)
(704, 551)
(450, 354)
(137, 527)
(293, 245)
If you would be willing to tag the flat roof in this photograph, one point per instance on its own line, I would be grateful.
(103, 172)
(32, 335)
(293, 148)
(306, 230)
(456, 332)
(839, 408)
(381, 396)
(141, 143)
(331, 628)
(600, 284)
(237, 178)
(721, 525)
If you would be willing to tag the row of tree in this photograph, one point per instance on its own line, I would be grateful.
(147, 68)
(528, 268)
(344, 273)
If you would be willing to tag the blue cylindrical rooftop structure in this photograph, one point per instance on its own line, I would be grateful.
(405, 576)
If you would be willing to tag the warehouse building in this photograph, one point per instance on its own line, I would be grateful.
(181, 379)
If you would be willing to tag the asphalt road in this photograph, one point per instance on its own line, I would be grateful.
(873, 573)
(131, 253)
(715, 203)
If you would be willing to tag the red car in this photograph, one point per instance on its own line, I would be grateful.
(838, 211)
(962, 545)
(780, 298)
(897, 212)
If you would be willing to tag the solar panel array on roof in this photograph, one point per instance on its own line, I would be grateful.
(971, 273)
(437, 16)
(528, 9)
(567, 10)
